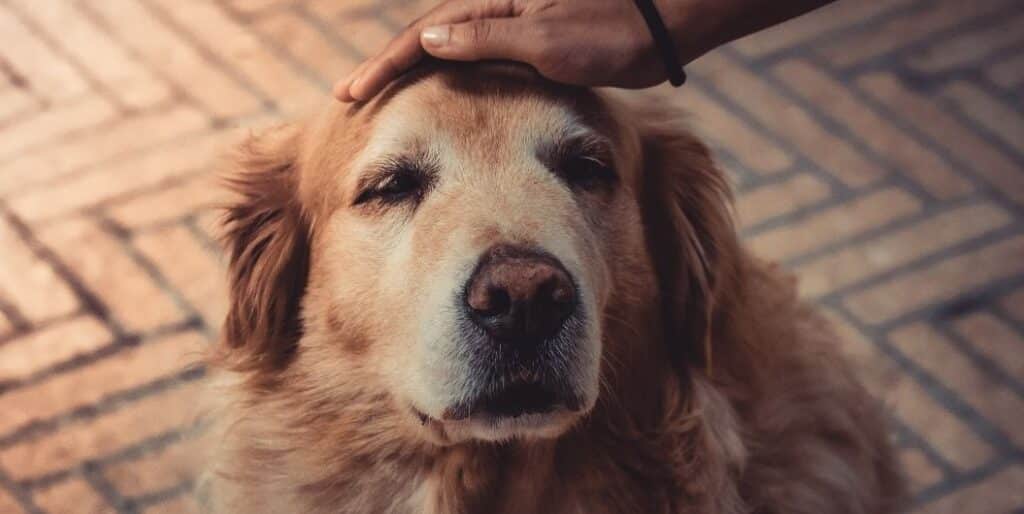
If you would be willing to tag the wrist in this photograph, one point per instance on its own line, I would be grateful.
(664, 44)
(699, 26)
(696, 26)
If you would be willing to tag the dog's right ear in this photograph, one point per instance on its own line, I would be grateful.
(690, 232)
(266, 236)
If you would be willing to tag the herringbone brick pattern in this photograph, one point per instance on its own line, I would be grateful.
(877, 149)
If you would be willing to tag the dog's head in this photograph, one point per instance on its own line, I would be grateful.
(462, 245)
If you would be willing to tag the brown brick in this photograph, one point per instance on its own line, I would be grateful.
(1001, 492)
(198, 193)
(833, 17)
(792, 194)
(15, 102)
(792, 122)
(178, 60)
(185, 504)
(884, 253)
(725, 129)
(73, 496)
(945, 131)
(941, 428)
(125, 370)
(141, 171)
(163, 469)
(54, 344)
(368, 35)
(999, 118)
(8, 503)
(990, 397)
(240, 49)
(910, 403)
(209, 222)
(148, 417)
(190, 268)
(919, 470)
(306, 44)
(255, 6)
(330, 9)
(121, 138)
(903, 30)
(965, 49)
(1014, 304)
(51, 76)
(108, 63)
(835, 224)
(1007, 73)
(939, 282)
(994, 339)
(109, 272)
(30, 283)
(877, 371)
(46, 126)
(880, 135)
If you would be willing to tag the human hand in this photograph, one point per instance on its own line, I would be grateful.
(581, 42)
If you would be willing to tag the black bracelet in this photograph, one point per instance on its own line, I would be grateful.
(676, 75)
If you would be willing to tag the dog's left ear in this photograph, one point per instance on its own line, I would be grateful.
(690, 234)
(266, 235)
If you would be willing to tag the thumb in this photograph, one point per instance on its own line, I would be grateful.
(492, 38)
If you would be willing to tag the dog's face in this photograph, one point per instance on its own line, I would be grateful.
(456, 245)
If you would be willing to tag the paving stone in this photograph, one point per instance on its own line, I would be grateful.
(55, 344)
(73, 497)
(128, 369)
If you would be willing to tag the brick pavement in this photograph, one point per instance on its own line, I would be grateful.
(877, 149)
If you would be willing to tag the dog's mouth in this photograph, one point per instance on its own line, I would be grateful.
(513, 390)
(519, 396)
(509, 402)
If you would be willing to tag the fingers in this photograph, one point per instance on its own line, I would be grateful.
(405, 50)
(401, 54)
(341, 89)
(492, 38)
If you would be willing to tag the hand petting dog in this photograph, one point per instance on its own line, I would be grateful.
(579, 42)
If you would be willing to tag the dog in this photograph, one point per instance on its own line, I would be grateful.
(483, 292)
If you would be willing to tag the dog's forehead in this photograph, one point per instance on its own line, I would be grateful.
(484, 122)
(475, 115)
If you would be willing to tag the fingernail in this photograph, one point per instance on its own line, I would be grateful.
(352, 86)
(436, 36)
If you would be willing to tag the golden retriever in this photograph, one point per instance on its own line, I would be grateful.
(482, 292)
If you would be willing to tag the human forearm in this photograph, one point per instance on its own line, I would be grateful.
(699, 26)
(583, 42)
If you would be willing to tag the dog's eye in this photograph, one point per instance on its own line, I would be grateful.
(398, 185)
(586, 171)
(394, 188)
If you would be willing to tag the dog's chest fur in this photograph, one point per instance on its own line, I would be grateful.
(609, 467)
(516, 482)
(540, 479)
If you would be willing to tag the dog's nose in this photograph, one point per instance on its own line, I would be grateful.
(520, 295)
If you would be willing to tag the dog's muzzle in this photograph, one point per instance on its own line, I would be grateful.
(523, 307)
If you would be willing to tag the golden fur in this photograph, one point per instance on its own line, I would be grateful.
(720, 391)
